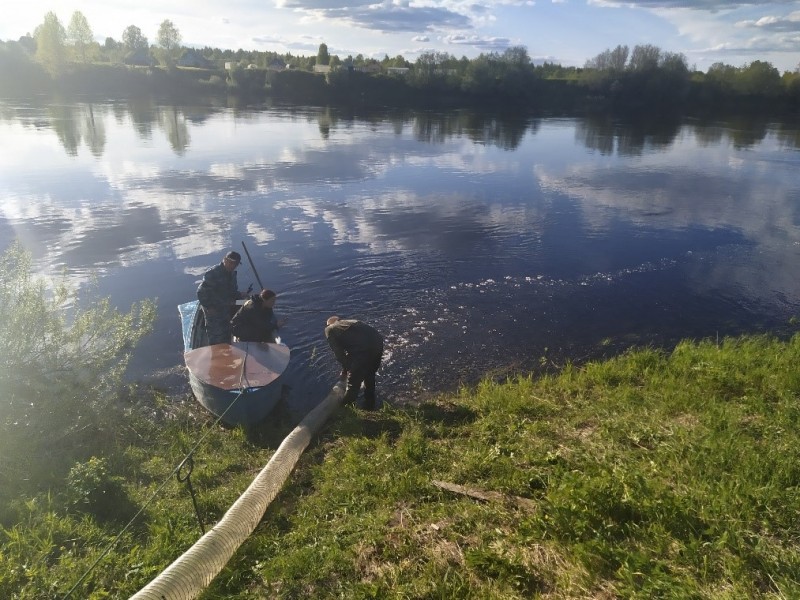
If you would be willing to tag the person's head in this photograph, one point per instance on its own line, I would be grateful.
(268, 298)
(331, 321)
(232, 260)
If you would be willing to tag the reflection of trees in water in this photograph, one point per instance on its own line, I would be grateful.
(398, 124)
(85, 123)
(505, 132)
(326, 121)
(142, 113)
(708, 135)
(608, 136)
(64, 123)
(74, 124)
(173, 122)
(788, 135)
(95, 132)
(657, 134)
(744, 131)
(434, 128)
(747, 131)
(198, 115)
(596, 134)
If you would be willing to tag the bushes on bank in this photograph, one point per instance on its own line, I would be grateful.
(62, 359)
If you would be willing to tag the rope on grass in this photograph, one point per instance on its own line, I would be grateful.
(147, 502)
(191, 573)
(243, 385)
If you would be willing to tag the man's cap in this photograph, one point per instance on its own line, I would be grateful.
(332, 320)
(267, 294)
(234, 256)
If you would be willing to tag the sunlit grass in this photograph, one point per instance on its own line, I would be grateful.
(654, 474)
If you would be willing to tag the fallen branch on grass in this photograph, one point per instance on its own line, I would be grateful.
(485, 495)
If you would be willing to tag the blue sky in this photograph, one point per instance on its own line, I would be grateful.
(564, 31)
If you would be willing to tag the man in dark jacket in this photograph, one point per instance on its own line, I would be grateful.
(359, 349)
(255, 321)
(217, 294)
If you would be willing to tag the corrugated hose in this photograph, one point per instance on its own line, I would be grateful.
(191, 573)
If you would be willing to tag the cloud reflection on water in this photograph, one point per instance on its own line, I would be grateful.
(453, 210)
(148, 195)
(130, 199)
(698, 182)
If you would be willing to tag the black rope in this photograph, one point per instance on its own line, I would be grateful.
(189, 462)
(175, 471)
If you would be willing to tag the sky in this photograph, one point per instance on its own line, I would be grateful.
(569, 32)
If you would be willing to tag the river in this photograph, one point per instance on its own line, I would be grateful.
(477, 243)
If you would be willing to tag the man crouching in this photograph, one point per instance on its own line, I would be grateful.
(359, 349)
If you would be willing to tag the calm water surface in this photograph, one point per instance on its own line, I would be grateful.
(477, 244)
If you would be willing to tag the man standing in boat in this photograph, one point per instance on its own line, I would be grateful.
(255, 321)
(217, 294)
(359, 349)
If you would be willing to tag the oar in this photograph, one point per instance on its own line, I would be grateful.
(252, 266)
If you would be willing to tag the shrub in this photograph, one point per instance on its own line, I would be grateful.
(61, 366)
(92, 489)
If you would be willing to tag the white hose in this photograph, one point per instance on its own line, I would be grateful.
(189, 575)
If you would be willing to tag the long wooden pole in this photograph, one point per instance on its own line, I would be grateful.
(252, 266)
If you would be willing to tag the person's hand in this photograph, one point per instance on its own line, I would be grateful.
(343, 374)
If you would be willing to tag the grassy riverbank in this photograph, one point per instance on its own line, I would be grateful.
(650, 475)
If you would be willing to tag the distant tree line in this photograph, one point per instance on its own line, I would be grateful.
(642, 79)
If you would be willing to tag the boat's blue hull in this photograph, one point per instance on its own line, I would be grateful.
(253, 406)
(237, 403)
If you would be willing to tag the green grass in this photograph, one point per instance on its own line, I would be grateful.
(650, 475)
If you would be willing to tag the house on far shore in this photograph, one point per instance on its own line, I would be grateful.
(277, 64)
(231, 65)
(397, 70)
(193, 58)
(140, 58)
(322, 69)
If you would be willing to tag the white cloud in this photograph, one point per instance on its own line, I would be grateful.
(575, 31)
(789, 23)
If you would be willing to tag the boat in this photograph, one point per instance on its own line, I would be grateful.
(238, 382)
